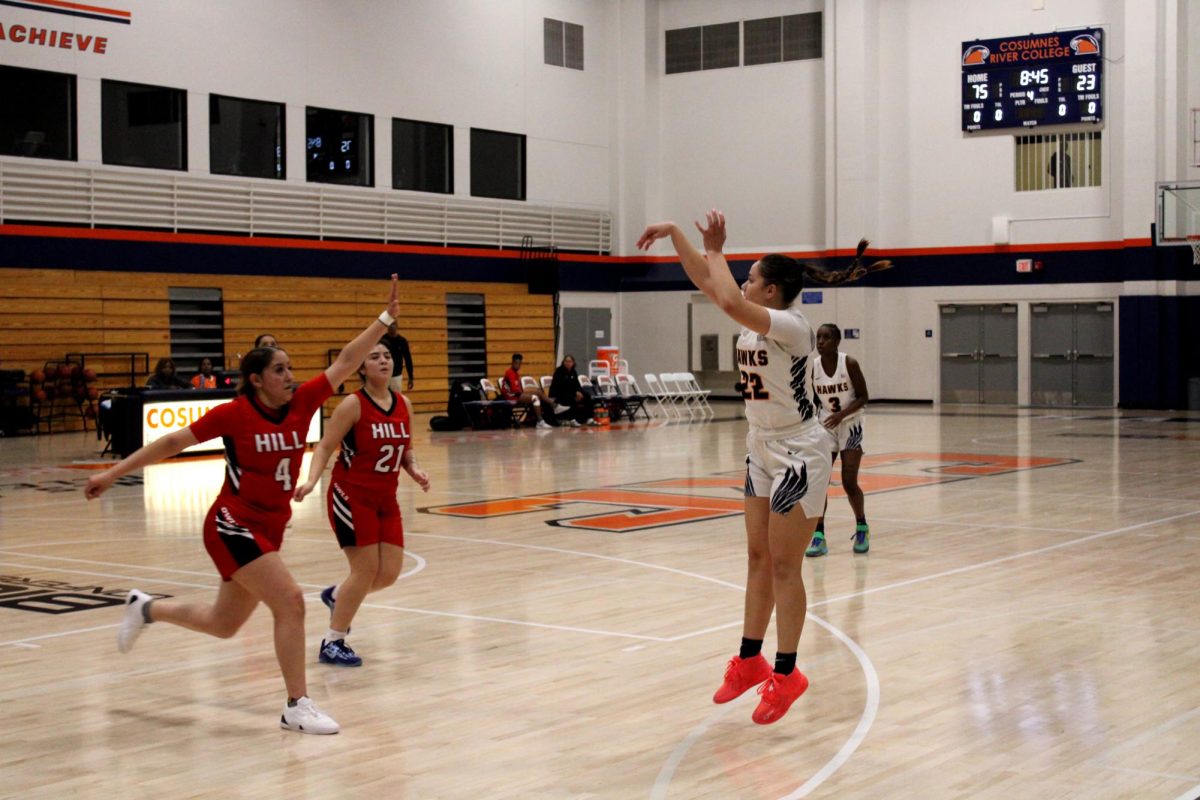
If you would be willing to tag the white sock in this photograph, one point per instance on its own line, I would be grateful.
(334, 636)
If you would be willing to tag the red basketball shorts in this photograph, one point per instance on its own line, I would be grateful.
(234, 538)
(360, 517)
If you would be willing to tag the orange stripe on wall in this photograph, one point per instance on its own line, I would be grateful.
(116, 12)
(484, 252)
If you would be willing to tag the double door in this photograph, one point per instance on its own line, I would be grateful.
(1072, 354)
(979, 353)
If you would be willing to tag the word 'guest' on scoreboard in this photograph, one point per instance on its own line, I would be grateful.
(1039, 79)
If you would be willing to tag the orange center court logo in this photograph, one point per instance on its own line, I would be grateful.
(677, 501)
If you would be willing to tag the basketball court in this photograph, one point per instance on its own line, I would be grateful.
(1021, 627)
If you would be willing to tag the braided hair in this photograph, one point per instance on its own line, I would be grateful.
(788, 274)
(856, 270)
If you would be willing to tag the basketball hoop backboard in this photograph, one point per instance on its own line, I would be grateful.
(1177, 212)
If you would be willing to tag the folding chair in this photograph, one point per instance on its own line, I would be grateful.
(629, 390)
(700, 394)
(485, 411)
(674, 384)
(527, 382)
(664, 400)
(611, 396)
(585, 383)
(598, 368)
(502, 411)
(546, 382)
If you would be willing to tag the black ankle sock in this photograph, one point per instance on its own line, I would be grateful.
(785, 663)
(146, 612)
(292, 702)
(862, 520)
(750, 647)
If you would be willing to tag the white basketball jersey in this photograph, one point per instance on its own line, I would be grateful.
(835, 391)
(776, 373)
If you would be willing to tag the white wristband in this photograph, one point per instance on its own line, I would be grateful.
(386, 318)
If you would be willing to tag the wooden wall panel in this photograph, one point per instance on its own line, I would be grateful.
(45, 314)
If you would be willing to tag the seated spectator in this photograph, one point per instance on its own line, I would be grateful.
(266, 340)
(164, 377)
(570, 400)
(205, 378)
(511, 390)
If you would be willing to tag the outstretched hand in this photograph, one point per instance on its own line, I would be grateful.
(714, 233)
(98, 484)
(659, 230)
(393, 306)
(302, 491)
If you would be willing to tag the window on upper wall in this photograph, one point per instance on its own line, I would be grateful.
(1058, 161)
(563, 43)
(245, 137)
(703, 47)
(497, 164)
(422, 156)
(37, 114)
(774, 39)
(143, 126)
(339, 147)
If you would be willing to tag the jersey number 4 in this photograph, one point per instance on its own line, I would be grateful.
(753, 387)
(283, 473)
(388, 452)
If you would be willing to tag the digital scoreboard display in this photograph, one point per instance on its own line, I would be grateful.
(1027, 81)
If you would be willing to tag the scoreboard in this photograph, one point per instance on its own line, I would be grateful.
(1027, 81)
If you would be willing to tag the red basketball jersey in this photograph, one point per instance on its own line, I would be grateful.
(371, 450)
(263, 449)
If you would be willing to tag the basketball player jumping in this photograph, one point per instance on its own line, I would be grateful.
(373, 426)
(264, 431)
(788, 465)
(842, 390)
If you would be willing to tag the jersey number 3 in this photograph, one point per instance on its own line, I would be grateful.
(753, 387)
(387, 452)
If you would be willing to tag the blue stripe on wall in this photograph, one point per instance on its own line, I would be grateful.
(983, 269)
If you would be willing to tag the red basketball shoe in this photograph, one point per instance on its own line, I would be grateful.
(740, 675)
(778, 694)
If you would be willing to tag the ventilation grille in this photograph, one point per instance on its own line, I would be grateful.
(106, 198)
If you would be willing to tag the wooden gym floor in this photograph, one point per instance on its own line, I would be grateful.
(1023, 627)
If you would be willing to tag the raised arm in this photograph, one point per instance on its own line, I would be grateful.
(352, 354)
(710, 271)
(158, 450)
(340, 423)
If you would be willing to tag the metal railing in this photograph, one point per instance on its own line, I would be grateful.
(37, 191)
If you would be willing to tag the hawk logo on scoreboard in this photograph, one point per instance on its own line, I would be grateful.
(1085, 45)
(975, 54)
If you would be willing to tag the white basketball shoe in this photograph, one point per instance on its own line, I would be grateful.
(305, 717)
(134, 620)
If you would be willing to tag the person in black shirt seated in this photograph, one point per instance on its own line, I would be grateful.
(164, 377)
(571, 401)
